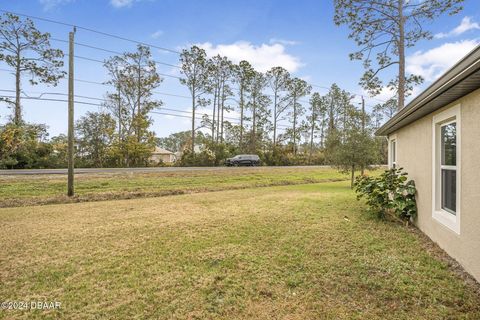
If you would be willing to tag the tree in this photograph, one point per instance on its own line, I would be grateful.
(354, 148)
(23, 146)
(386, 28)
(316, 119)
(175, 142)
(134, 77)
(179, 141)
(278, 79)
(336, 100)
(95, 134)
(243, 74)
(386, 110)
(58, 157)
(27, 50)
(258, 104)
(219, 72)
(297, 88)
(195, 68)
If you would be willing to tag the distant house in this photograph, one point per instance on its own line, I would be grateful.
(435, 138)
(162, 155)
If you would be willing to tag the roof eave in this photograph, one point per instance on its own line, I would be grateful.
(461, 70)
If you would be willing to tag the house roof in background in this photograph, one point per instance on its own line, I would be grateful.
(159, 150)
(458, 81)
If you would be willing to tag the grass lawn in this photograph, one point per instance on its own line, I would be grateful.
(46, 189)
(284, 252)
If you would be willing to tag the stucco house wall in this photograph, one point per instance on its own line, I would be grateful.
(414, 153)
(166, 158)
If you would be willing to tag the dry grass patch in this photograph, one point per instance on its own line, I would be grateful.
(269, 253)
(50, 189)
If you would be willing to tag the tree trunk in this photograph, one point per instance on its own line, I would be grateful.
(294, 125)
(218, 114)
(311, 136)
(241, 117)
(223, 107)
(193, 122)
(17, 118)
(119, 115)
(254, 125)
(139, 109)
(275, 117)
(362, 169)
(401, 57)
(213, 116)
(353, 176)
(322, 135)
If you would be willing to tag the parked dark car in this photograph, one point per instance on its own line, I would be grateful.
(243, 160)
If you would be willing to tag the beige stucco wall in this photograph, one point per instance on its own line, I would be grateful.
(414, 153)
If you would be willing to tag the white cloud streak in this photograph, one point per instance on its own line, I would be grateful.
(157, 34)
(51, 4)
(430, 64)
(121, 3)
(262, 57)
(283, 41)
(467, 24)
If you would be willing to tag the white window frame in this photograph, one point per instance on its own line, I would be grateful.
(447, 219)
(391, 161)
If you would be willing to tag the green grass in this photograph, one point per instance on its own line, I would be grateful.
(46, 189)
(285, 252)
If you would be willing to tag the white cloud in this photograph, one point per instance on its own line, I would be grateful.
(121, 3)
(283, 41)
(385, 94)
(262, 57)
(466, 25)
(50, 4)
(157, 34)
(430, 64)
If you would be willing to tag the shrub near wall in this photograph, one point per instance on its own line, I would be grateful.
(390, 193)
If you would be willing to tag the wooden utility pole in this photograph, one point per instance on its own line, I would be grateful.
(70, 188)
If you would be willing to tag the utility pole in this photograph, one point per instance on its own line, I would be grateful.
(363, 129)
(70, 190)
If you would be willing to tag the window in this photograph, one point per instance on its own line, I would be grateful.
(446, 168)
(392, 151)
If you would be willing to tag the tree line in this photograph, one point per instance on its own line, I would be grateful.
(273, 117)
(274, 120)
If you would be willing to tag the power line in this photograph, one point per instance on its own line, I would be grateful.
(353, 93)
(101, 105)
(91, 30)
(137, 42)
(103, 62)
(112, 52)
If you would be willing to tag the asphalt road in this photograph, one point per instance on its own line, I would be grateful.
(133, 170)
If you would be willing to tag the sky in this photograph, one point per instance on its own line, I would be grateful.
(298, 35)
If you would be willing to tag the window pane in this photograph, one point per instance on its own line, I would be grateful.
(449, 144)
(394, 149)
(449, 190)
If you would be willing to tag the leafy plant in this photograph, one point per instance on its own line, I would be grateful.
(390, 193)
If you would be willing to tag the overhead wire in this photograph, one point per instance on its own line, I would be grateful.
(142, 43)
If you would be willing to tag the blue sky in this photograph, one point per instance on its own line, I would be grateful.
(297, 34)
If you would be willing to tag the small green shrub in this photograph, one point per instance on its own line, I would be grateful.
(389, 193)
